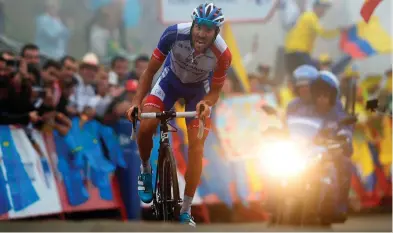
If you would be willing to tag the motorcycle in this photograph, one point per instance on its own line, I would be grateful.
(301, 176)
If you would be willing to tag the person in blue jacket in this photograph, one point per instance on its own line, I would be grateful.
(322, 112)
(301, 78)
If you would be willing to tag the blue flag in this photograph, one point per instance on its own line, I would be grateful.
(216, 176)
(91, 151)
(5, 204)
(76, 191)
(128, 175)
(23, 193)
(241, 180)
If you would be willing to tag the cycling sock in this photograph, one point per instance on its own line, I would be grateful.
(145, 167)
(186, 207)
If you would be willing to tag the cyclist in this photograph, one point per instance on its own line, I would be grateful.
(324, 113)
(196, 62)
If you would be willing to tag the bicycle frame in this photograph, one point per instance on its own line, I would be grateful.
(164, 133)
(169, 204)
(164, 143)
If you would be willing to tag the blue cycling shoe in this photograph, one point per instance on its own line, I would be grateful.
(145, 187)
(185, 218)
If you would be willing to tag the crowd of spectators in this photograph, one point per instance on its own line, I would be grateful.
(33, 91)
(352, 84)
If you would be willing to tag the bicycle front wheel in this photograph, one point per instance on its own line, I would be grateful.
(169, 186)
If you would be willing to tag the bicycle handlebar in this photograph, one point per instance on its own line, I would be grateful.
(166, 115)
(152, 115)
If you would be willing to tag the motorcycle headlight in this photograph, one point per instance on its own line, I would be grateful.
(282, 159)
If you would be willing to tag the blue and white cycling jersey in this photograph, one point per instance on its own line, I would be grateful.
(176, 44)
(186, 75)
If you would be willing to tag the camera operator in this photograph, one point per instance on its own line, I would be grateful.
(15, 95)
(47, 94)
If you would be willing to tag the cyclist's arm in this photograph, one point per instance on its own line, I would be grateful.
(158, 57)
(219, 77)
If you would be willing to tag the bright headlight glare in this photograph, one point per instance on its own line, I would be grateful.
(282, 159)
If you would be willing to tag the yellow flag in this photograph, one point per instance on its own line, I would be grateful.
(362, 158)
(181, 122)
(385, 154)
(254, 178)
(376, 36)
(237, 63)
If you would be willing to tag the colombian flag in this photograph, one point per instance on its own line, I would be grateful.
(237, 63)
(368, 9)
(366, 39)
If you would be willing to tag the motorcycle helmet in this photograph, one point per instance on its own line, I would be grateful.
(326, 82)
(303, 75)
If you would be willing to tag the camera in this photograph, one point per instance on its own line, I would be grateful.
(35, 71)
(32, 69)
(13, 63)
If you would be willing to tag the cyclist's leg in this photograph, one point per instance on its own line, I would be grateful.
(195, 154)
(161, 98)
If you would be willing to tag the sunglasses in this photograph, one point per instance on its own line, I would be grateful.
(205, 22)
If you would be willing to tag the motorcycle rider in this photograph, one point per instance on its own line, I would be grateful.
(322, 112)
(301, 79)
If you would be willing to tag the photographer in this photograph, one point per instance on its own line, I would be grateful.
(48, 94)
(15, 104)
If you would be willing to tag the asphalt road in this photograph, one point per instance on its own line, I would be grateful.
(371, 223)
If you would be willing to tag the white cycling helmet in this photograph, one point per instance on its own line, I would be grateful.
(208, 14)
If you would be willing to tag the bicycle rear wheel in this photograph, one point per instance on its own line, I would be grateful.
(168, 186)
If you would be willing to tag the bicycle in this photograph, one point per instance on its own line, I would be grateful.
(166, 197)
